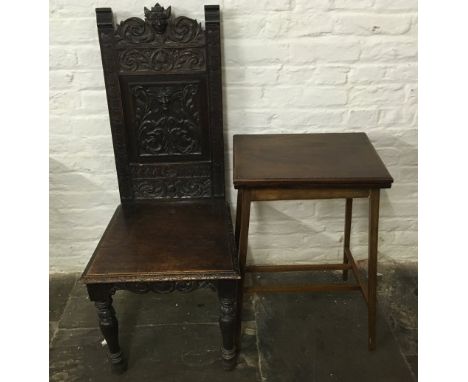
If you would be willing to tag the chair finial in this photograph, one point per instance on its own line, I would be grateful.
(158, 17)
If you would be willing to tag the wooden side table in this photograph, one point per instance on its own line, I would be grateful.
(311, 166)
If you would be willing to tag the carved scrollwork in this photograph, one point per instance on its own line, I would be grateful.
(172, 188)
(164, 287)
(167, 120)
(185, 30)
(197, 170)
(159, 28)
(162, 59)
(160, 42)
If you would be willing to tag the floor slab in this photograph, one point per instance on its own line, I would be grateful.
(286, 337)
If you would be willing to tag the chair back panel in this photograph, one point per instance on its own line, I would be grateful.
(163, 85)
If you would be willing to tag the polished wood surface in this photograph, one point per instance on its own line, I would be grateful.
(166, 241)
(344, 159)
(311, 166)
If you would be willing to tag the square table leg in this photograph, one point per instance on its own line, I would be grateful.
(347, 234)
(374, 199)
(242, 236)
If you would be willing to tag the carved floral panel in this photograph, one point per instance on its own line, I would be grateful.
(167, 119)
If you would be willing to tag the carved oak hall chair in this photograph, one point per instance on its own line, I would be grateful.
(172, 231)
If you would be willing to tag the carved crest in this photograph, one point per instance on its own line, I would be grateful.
(160, 42)
(159, 28)
(158, 17)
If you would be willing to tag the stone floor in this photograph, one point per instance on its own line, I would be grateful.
(286, 337)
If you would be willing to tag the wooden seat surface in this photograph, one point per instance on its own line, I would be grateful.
(325, 159)
(161, 241)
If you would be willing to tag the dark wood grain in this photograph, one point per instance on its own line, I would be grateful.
(173, 229)
(344, 159)
(166, 241)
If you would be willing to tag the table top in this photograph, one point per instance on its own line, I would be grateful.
(325, 160)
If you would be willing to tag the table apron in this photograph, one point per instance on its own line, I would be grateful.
(270, 194)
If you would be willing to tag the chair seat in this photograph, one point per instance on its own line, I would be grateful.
(162, 241)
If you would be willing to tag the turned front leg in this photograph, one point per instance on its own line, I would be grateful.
(228, 321)
(110, 330)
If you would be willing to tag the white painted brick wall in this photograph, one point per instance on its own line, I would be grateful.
(290, 66)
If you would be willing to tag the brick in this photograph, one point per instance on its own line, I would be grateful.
(352, 4)
(323, 97)
(392, 5)
(403, 238)
(371, 24)
(89, 57)
(277, 25)
(89, 79)
(324, 239)
(64, 100)
(99, 162)
(389, 155)
(77, 234)
(326, 75)
(402, 73)
(281, 96)
(403, 191)
(64, 8)
(311, 24)
(62, 57)
(98, 216)
(273, 241)
(73, 30)
(383, 50)
(309, 118)
(389, 117)
(362, 118)
(288, 227)
(60, 79)
(241, 97)
(243, 27)
(245, 6)
(94, 101)
(407, 174)
(367, 74)
(400, 209)
(254, 52)
(282, 211)
(296, 75)
(249, 118)
(251, 75)
(92, 199)
(324, 49)
(89, 126)
(60, 125)
(377, 95)
(330, 208)
(312, 5)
